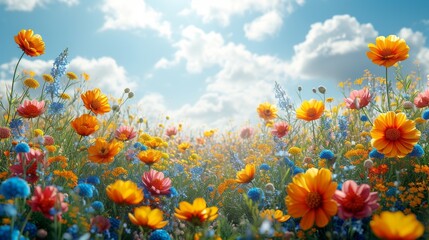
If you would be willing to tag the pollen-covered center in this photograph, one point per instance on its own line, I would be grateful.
(311, 112)
(95, 104)
(387, 54)
(392, 134)
(268, 112)
(313, 200)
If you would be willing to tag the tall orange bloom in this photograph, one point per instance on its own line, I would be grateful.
(146, 217)
(310, 110)
(310, 197)
(272, 215)
(396, 225)
(150, 156)
(32, 44)
(388, 50)
(267, 111)
(103, 151)
(96, 101)
(394, 135)
(246, 175)
(85, 125)
(196, 213)
(124, 192)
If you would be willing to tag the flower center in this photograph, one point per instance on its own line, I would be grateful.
(387, 54)
(95, 105)
(267, 112)
(392, 134)
(311, 112)
(354, 203)
(313, 200)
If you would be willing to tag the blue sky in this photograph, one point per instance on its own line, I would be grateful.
(210, 63)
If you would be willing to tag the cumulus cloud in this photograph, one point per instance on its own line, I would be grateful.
(333, 49)
(133, 15)
(244, 79)
(30, 5)
(272, 12)
(105, 73)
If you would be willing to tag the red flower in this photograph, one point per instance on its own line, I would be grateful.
(28, 162)
(156, 183)
(31, 109)
(422, 100)
(358, 99)
(100, 223)
(280, 129)
(246, 132)
(48, 201)
(172, 131)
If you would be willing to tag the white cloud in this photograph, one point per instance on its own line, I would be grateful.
(333, 49)
(222, 11)
(29, 5)
(232, 94)
(105, 73)
(133, 15)
(263, 26)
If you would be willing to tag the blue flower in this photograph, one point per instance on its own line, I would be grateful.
(417, 151)
(22, 147)
(14, 187)
(6, 233)
(264, 167)
(326, 154)
(364, 118)
(391, 191)
(425, 114)
(53, 89)
(289, 162)
(7, 210)
(97, 206)
(159, 234)
(210, 188)
(85, 190)
(297, 170)
(256, 194)
(375, 154)
(31, 229)
(56, 108)
(94, 180)
(60, 65)
(173, 192)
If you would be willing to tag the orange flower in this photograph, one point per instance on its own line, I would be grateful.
(85, 125)
(197, 212)
(246, 175)
(183, 146)
(310, 197)
(267, 111)
(396, 225)
(310, 110)
(96, 101)
(388, 50)
(394, 135)
(146, 217)
(103, 151)
(124, 192)
(150, 156)
(272, 215)
(32, 44)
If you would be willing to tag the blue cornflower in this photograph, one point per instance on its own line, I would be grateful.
(364, 118)
(326, 154)
(14, 187)
(6, 233)
(196, 172)
(73, 231)
(375, 154)
(289, 162)
(60, 65)
(210, 188)
(53, 89)
(97, 206)
(297, 170)
(7, 210)
(94, 180)
(159, 234)
(31, 229)
(17, 128)
(173, 192)
(22, 147)
(417, 151)
(255, 194)
(114, 223)
(391, 191)
(425, 114)
(264, 167)
(85, 190)
(56, 108)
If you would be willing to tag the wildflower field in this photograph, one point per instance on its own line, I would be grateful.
(76, 164)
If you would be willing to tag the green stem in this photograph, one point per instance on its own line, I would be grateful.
(366, 114)
(11, 88)
(24, 223)
(387, 92)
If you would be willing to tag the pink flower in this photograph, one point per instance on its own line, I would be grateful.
(48, 201)
(422, 99)
(125, 133)
(5, 133)
(156, 183)
(246, 132)
(172, 131)
(355, 201)
(358, 99)
(31, 109)
(48, 140)
(280, 129)
(100, 223)
(28, 161)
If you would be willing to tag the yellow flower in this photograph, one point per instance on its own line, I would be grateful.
(183, 146)
(267, 111)
(144, 216)
(65, 96)
(38, 132)
(246, 175)
(124, 192)
(149, 156)
(396, 225)
(71, 75)
(196, 213)
(310, 110)
(309, 196)
(272, 215)
(51, 148)
(394, 135)
(32, 44)
(388, 50)
(329, 99)
(85, 76)
(31, 83)
(294, 150)
(48, 78)
(209, 133)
